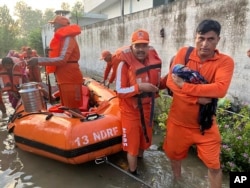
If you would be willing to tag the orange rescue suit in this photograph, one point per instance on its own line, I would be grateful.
(136, 73)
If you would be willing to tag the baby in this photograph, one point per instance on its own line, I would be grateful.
(188, 75)
(207, 111)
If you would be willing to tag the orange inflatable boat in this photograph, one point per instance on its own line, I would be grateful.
(53, 133)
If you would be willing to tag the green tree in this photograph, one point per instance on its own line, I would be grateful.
(77, 12)
(27, 18)
(65, 6)
(8, 31)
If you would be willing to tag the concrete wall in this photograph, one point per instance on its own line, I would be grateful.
(112, 8)
(179, 20)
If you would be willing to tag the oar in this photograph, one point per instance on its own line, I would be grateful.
(72, 112)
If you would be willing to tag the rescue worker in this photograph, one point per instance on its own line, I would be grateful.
(217, 69)
(11, 77)
(34, 75)
(137, 82)
(63, 60)
(111, 66)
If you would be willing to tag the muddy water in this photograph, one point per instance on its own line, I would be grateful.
(20, 169)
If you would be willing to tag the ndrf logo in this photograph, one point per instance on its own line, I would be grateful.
(239, 179)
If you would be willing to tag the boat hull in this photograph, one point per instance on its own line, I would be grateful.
(70, 140)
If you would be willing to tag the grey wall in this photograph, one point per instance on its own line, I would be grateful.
(179, 20)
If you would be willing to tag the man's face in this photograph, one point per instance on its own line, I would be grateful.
(140, 51)
(206, 44)
(108, 58)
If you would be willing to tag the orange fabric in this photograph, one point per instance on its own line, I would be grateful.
(127, 87)
(11, 83)
(177, 149)
(140, 36)
(112, 65)
(217, 71)
(133, 136)
(71, 95)
(85, 99)
(57, 43)
(64, 55)
(129, 81)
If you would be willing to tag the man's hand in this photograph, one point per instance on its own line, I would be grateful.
(148, 87)
(178, 80)
(32, 62)
(204, 100)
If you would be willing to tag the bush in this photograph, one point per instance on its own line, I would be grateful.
(234, 128)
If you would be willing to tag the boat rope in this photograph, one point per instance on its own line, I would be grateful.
(105, 159)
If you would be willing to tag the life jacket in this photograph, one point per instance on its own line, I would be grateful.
(58, 40)
(54, 52)
(149, 72)
(10, 81)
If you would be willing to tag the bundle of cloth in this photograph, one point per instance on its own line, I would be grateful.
(207, 111)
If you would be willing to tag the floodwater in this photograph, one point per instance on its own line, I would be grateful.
(20, 169)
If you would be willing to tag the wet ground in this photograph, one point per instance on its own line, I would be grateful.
(20, 169)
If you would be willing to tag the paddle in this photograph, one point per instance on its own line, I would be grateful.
(64, 108)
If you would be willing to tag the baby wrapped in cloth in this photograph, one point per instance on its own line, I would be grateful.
(207, 111)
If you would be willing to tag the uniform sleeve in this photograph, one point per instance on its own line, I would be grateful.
(217, 88)
(179, 59)
(123, 88)
(66, 54)
(115, 63)
(107, 70)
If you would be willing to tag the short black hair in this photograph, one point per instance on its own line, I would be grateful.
(7, 60)
(208, 25)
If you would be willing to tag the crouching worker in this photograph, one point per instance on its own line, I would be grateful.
(11, 77)
(63, 62)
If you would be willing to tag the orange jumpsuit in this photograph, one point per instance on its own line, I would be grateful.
(64, 55)
(111, 65)
(183, 115)
(127, 88)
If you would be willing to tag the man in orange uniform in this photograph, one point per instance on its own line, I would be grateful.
(63, 60)
(248, 53)
(11, 77)
(182, 124)
(137, 81)
(112, 64)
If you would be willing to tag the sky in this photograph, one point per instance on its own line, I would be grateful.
(37, 4)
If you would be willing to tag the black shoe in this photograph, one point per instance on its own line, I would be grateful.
(135, 173)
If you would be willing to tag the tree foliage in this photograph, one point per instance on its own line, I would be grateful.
(25, 27)
(76, 12)
(8, 30)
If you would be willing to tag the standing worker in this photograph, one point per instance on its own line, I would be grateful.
(137, 82)
(63, 60)
(183, 128)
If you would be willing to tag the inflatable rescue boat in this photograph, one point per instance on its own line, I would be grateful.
(51, 131)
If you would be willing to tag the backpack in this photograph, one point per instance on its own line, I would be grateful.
(189, 50)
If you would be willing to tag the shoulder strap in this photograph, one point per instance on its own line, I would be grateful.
(189, 50)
